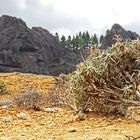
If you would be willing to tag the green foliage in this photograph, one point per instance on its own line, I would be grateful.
(69, 41)
(57, 36)
(101, 38)
(63, 40)
(2, 87)
(81, 40)
(107, 82)
(94, 39)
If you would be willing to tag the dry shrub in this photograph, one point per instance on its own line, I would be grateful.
(107, 82)
(30, 98)
(2, 88)
(59, 95)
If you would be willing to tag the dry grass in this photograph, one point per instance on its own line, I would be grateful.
(30, 98)
(59, 95)
(2, 87)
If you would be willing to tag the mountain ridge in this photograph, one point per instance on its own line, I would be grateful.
(117, 30)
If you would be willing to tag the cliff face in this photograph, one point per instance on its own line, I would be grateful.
(32, 50)
(117, 30)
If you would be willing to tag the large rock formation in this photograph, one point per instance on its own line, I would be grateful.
(32, 50)
(117, 30)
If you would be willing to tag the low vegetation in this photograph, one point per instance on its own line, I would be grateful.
(59, 96)
(30, 98)
(2, 88)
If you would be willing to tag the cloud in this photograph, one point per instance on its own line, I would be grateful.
(7, 7)
(71, 16)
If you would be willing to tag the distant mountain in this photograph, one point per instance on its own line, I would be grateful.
(117, 30)
(32, 50)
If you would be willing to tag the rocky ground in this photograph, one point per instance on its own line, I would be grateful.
(59, 123)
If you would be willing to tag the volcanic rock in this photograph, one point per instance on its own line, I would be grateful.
(32, 50)
(121, 32)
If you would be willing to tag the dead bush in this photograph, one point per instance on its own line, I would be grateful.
(107, 82)
(59, 96)
(30, 98)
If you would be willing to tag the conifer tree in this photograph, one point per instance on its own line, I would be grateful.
(56, 35)
(101, 38)
(63, 40)
(69, 41)
(95, 39)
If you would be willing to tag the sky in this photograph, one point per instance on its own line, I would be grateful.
(71, 16)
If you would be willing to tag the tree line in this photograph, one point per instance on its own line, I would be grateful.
(80, 40)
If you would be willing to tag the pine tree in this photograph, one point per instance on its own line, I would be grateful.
(77, 42)
(101, 38)
(86, 39)
(69, 41)
(57, 36)
(63, 40)
(87, 36)
(80, 34)
(95, 39)
(73, 42)
(81, 42)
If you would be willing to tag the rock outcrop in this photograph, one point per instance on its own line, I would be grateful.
(117, 30)
(32, 50)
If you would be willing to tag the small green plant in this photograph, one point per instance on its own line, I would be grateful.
(30, 98)
(2, 87)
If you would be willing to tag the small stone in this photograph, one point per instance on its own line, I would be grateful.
(27, 124)
(80, 117)
(22, 115)
(92, 119)
(5, 106)
(119, 120)
(42, 123)
(6, 103)
(23, 134)
(88, 127)
(72, 130)
(7, 119)
(51, 110)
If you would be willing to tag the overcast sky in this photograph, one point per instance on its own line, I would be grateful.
(71, 16)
